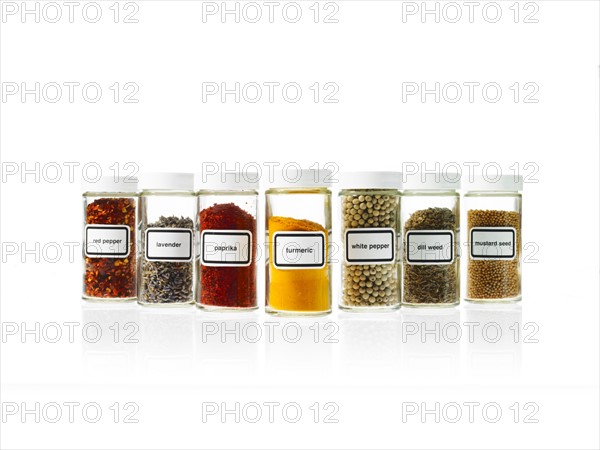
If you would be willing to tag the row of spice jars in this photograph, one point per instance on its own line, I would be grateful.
(379, 270)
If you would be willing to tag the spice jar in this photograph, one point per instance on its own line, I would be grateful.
(168, 208)
(370, 208)
(494, 239)
(431, 240)
(298, 230)
(109, 239)
(226, 260)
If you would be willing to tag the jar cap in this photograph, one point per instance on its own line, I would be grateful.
(227, 181)
(300, 178)
(432, 182)
(370, 180)
(111, 184)
(167, 181)
(510, 183)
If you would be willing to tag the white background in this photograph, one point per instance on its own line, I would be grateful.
(377, 367)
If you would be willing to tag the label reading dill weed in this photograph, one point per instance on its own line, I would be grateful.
(107, 241)
(299, 250)
(169, 244)
(226, 248)
(430, 247)
(493, 243)
(370, 246)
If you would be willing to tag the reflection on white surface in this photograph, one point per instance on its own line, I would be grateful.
(431, 342)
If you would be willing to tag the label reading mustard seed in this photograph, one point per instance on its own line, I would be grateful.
(492, 243)
(169, 244)
(226, 248)
(299, 250)
(370, 246)
(107, 241)
(430, 247)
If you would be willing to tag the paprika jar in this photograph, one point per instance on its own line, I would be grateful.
(494, 239)
(110, 209)
(370, 218)
(430, 205)
(168, 209)
(226, 260)
(298, 232)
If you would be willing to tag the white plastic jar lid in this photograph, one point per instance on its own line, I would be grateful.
(227, 181)
(174, 181)
(111, 184)
(292, 177)
(439, 181)
(511, 183)
(370, 180)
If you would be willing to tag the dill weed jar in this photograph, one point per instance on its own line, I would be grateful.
(431, 240)
(494, 239)
(370, 208)
(298, 230)
(168, 209)
(109, 239)
(226, 260)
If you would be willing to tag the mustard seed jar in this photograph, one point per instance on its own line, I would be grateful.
(431, 240)
(370, 218)
(110, 209)
(298, 233)
(168, 209)
(494, 239)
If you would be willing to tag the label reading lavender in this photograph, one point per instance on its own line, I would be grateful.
(107, 241)
(370, 246)
(169, 244)
(299, 250)
(226, 248)
(430, 247)
(493, 243)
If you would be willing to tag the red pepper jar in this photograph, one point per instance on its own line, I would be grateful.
(226, 258)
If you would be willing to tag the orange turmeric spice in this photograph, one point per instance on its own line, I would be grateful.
(297, 290)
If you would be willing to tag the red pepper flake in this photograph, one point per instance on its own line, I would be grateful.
(112, 277)
(233, 287)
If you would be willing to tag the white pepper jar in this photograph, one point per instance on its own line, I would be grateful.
(431, 240)
(168, 211)
(370, 218)
(493, 209)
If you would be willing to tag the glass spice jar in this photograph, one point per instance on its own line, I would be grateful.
(168, 209)
(110, 208)
(370, 208)
(298, 232)
(431, 240)
(494, 239)
(226, 259)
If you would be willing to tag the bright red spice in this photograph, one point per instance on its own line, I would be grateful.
(233, 287)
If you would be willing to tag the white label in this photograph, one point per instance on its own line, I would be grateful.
(370, 246)
(169, 244)
(107, 241)
(299, 249)
(430, 247)
(493, 243)
(226, 248)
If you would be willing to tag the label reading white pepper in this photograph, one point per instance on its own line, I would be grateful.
(493, 243)
(299, 250)
(370, 246)
(226, 248)
(107, 241)
(430, 247)
(169, 244)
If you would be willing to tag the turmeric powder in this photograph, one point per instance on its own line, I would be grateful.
(302, 290)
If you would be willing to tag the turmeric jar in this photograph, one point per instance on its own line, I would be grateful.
(298, 231)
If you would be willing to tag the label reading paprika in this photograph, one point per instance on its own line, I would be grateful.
(226, 248)
(169, 244)
(107, 241)
(299, 250)
(370, 246)
(493, 242)
(430, 247)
